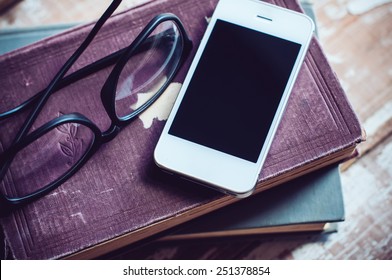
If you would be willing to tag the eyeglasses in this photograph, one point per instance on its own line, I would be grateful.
(48, 156)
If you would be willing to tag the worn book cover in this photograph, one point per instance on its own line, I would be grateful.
(119, 197)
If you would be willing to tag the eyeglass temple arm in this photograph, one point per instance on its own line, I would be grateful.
(67, 80)
(82, 73)
(41, 100)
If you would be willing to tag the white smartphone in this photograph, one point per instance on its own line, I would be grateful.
(227, 111)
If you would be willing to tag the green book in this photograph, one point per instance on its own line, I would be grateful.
(309, 203)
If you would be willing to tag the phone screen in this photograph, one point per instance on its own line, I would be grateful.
(236, 88)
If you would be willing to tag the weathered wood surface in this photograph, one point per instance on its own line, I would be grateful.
(358, 41)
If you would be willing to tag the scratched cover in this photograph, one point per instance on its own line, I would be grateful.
(120, 191)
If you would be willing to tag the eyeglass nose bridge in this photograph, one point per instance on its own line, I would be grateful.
(111, 133)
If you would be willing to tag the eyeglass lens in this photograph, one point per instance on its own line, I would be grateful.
(47, 158)
(147, 70)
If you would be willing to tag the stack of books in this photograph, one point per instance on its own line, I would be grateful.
(120, 198)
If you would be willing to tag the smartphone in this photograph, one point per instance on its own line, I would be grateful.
(228, 109)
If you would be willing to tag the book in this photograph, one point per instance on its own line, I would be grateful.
(309, 203)
(119, 197)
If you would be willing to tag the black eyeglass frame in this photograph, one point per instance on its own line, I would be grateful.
(108, 93)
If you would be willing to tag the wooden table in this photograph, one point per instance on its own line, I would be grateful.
(358, 43)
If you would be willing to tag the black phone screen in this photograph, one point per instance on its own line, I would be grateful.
(235, 90)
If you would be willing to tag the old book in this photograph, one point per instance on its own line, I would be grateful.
(119, 197)
(308, 203)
